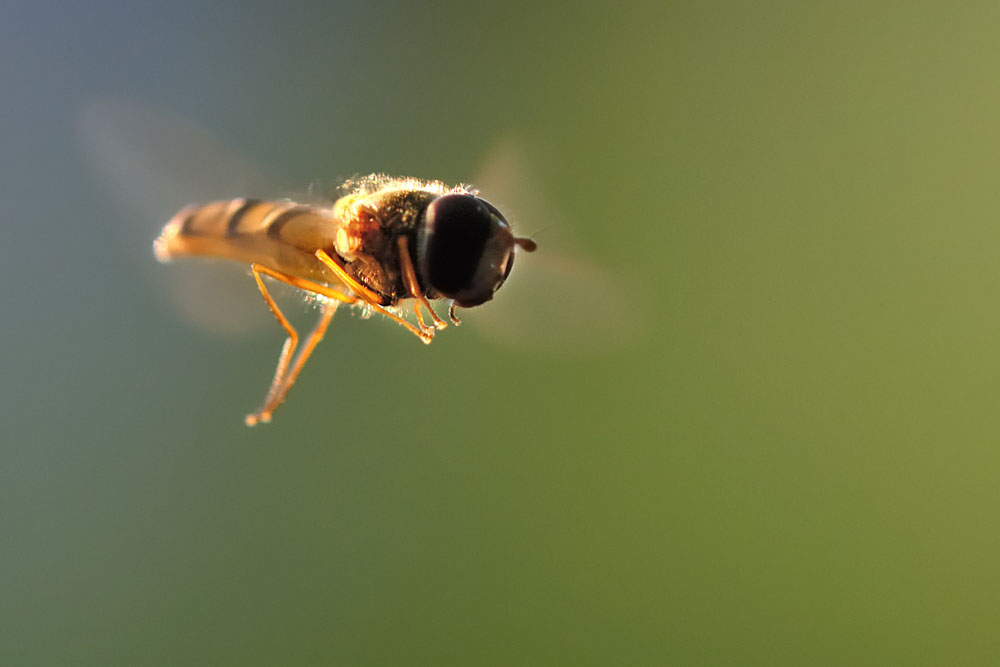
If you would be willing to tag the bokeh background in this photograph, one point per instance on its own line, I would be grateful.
(791, 458)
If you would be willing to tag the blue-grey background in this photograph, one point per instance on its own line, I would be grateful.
(794, 461)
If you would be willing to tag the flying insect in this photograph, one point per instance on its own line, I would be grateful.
(386, 244)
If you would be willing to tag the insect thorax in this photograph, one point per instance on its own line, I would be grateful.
(367, 238)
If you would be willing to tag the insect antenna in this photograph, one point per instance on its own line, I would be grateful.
(526, 244)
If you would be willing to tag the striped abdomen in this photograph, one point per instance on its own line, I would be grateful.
(279, 234)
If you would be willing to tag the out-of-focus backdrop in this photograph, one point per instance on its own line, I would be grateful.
(789, 455)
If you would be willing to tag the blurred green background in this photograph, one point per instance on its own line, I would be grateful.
(794, 461)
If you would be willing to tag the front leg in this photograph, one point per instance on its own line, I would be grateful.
(410, 275)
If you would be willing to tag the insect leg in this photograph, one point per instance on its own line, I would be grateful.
(368, 296)
(411, 283)
(451, 315)
(312, 340)
(278, 391)
(286, 351)
(282, 379)
(307, 285)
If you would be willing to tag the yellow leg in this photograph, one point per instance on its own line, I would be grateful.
(368, 296)
(411, 283)
(315, 336)
(279, 388)
(283, 379)
(287, 349)
(451, 315)
(307, 285)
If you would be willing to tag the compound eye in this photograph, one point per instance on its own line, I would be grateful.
(467, 248)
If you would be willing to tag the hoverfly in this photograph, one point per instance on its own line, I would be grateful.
(152, 161)
(387, 243)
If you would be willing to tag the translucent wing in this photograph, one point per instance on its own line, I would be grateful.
(555, 298)
(153, 164)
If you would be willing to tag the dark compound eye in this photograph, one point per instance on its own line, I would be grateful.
(466, 248)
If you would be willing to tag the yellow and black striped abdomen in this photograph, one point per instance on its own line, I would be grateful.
(278, 234)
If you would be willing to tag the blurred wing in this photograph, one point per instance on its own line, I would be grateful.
(153, 164)
(555, 298)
